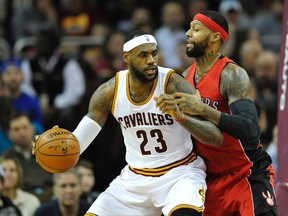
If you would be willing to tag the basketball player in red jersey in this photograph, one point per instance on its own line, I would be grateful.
(240, 177)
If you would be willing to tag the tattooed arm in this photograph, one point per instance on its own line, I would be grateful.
(235, 86)
(235, 83)
(101, 102)
(99, 108)
(200, 129)
(243, 123)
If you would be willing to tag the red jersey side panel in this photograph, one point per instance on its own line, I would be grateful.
(231, 155)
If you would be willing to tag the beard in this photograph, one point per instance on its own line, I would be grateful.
(199, 49)
(141, 76)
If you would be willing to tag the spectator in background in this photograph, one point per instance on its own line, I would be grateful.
(111, 60)
(250, 35)
(237, 20)
(6, 205)
(12, 77)
(36, 180)
(100, 30)
(117, 11)
(170, 33)
(266, 83)
(194, 6)
(67, 191)
(248, 53)
(77, 17)
(141, 18)
(271, 16)
(6, 108)
(58, 81)
(261, 112)
(234, 13)
(26, 202)
(86, 171)
(29, 21)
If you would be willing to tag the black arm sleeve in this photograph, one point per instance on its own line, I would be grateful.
(243, 123)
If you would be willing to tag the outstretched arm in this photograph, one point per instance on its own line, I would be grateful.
(200, 129)
(99, 108)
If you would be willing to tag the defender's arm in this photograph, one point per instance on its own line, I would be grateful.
(200, 129)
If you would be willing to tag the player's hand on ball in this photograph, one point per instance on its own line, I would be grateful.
(56, 150)
(36, 137)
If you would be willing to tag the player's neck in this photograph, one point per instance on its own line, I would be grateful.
(205, 63)
(139, 91)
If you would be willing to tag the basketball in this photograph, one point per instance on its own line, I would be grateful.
(57, 150)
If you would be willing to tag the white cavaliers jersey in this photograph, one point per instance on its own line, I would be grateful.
(155, 142)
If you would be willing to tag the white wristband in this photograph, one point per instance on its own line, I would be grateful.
(86, 131)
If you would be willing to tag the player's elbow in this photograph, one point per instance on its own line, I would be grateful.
(214, 139)
(217, 140)
(250, 131)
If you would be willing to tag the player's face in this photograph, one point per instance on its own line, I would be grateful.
(143, 62)
(198, 37)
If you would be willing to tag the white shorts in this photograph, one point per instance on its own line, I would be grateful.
(132, 194)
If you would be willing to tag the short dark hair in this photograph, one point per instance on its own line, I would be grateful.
(85, 163)
(15, 114)
(73, 170)
(134, 34)
(49, 37)
(218, 18)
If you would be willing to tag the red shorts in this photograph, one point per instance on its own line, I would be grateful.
(240, 193)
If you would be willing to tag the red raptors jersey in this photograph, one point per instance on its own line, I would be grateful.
(231, 156)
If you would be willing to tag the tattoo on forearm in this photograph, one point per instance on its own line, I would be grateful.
(200, 132)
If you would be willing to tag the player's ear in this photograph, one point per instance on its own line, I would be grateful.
(126, 57)
(216, 36)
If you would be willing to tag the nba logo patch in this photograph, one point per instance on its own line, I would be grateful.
(147, 38)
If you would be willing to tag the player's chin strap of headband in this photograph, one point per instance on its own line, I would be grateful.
(211, 25)
(137, 41)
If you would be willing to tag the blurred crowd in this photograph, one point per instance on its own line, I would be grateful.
(55, 53)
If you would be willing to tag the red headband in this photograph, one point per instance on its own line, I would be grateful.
(211, 25)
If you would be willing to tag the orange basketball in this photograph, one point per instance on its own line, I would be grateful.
(57, 150)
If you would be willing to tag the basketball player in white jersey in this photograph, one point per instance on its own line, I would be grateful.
(163, 173)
